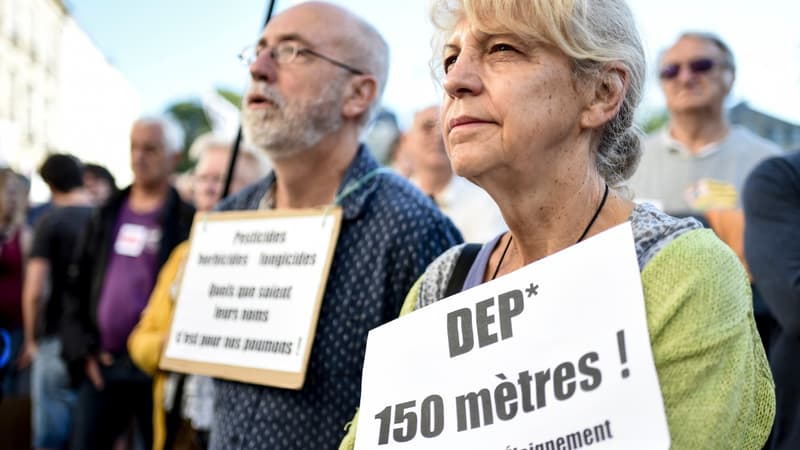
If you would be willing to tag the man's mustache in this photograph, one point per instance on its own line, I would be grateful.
(267, 93)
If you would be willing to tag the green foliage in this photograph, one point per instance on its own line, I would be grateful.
(192, 118)
(194, 122)
(654, 121)
(231, 96)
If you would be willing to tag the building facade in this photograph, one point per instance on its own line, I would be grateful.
(30, 41)
(783, 133)
(58, 93)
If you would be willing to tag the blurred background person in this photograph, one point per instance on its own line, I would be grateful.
(772, 245)
(469, 207)
(183, 405)
(212, 153)
(184, 183)
(382, 135)
(54, 241)
(698, 163)
(98, 183)
(118, 257)
(399, 158)
(14, 245)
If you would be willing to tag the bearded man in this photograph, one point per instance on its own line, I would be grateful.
(317, 75)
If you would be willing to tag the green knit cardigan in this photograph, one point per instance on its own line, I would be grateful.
(716, 384)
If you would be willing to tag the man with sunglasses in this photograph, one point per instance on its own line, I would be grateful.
(697, 165)
(698, 162)
(317, 75)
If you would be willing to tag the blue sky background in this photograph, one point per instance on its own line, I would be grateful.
(174, 50)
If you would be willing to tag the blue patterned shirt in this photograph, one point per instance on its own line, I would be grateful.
(390, 232)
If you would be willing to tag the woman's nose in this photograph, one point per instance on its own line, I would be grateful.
(463, 77)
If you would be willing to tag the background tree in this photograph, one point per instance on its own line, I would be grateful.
(653, 120)
(192, 117)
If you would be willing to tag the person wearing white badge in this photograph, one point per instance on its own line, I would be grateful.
(117, 259)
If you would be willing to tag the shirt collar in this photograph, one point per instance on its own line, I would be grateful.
(362, 164)
(352, 204)
(676, 147)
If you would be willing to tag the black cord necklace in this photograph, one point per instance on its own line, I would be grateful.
(583, 235)
(499, 263)
(594, 217)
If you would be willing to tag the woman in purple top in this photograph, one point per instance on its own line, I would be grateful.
(14, 240)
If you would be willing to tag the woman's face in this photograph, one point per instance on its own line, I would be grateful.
(507, 104)
(9, 203)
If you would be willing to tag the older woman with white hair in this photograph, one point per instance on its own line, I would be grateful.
(538, 111)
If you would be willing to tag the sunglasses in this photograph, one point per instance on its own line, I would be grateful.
(696, 66)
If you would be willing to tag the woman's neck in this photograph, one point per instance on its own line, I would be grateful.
(547, 215)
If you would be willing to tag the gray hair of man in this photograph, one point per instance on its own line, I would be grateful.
(206, 141)
(590, 32)
(174, 136)
(370, 52)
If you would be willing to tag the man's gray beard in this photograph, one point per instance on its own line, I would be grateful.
(292, 127)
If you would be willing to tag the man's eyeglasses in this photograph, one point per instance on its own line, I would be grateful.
(696, 66)
(286, 52)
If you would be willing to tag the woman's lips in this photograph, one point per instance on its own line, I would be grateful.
(464, 122)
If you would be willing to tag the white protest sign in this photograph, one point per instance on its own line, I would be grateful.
(250, 295)
(555, 355)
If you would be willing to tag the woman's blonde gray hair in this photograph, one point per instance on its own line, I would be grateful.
(592, 33)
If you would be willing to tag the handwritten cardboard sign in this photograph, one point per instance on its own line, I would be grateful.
(555, 355)
(250, 295)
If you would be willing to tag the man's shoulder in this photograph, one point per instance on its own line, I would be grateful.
(773, 177)
(247, 198)
(398, 195)
(655, 145)
(182, 208)
(655, 138)
(654, 156)
(748, 143)
(790, 162)
(401, 211)
(67, 214)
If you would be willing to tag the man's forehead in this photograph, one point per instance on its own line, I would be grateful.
(691, 46)
(147, 131)
(305, 23)
(146, 128)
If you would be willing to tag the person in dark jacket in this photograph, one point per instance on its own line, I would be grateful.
(54, 239)
(772, 248)
(117, 260)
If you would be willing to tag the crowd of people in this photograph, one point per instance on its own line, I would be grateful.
(532, 150)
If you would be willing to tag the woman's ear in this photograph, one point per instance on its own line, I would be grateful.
(361, 93)
(606, 94)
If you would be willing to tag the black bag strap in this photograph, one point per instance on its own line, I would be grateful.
(461, 269)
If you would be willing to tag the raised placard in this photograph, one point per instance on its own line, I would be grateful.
(250, 295)
(555, 355)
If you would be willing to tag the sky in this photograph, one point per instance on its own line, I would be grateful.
(177, 50)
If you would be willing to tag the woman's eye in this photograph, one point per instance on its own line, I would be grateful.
(449, 61)
(502, 48)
